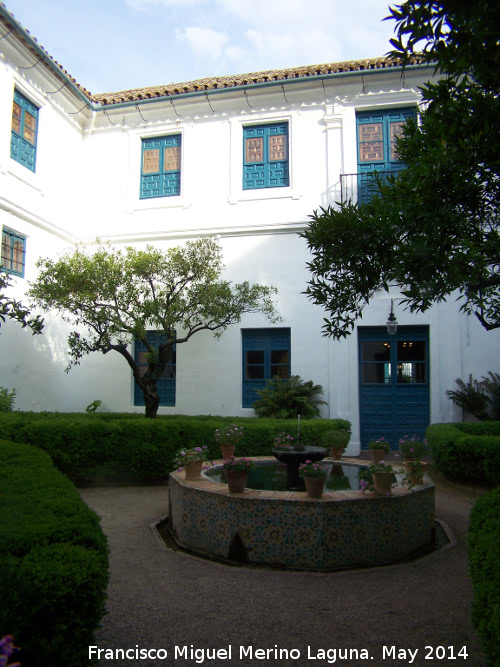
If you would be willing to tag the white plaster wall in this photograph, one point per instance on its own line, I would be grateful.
(87, 184)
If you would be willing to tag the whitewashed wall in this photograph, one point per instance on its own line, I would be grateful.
(87, 185)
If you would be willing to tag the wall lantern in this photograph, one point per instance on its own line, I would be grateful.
(392, 323)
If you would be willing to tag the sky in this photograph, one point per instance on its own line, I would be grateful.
(114, 45)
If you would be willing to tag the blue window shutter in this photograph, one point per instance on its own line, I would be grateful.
(24, 131)
(265, 156)
(161, 167)
(266, 353)
(13, 252)
(166, 384)
(376, 131)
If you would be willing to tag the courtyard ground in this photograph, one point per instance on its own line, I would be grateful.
(187, 608)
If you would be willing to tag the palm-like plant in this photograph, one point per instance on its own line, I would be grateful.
(285, 399)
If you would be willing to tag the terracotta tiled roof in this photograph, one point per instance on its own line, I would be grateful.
(224, 82)
(8, 20)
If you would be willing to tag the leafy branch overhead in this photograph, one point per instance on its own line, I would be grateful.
(114, 296)
(14, 310)
(433, 229)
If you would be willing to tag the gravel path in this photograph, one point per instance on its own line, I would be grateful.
(187, 611)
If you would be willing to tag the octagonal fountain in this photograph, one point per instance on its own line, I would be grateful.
(283, 528)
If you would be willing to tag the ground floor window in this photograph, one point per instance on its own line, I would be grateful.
(166, 384)
(266, 354)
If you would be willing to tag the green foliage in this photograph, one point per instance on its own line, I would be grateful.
(285, 399)
(114, 296)
(467, 452)
(92, 407)
(14, 310)
(53, 555)
(109, 448)
(335, 438)
(480, 398)
(484, 555)
(7, 399)
(434, 228)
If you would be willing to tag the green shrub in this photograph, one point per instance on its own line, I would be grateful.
(285, 399)
(7, 399)
(467, 452)
(480, 398)
(53, 554)
(484, 555)
(98, 448)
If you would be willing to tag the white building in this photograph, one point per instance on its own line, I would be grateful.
(245, 159)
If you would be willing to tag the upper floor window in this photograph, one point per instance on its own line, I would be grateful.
(13, 252)
(161, 167)
(265, 156)
(24, 131)
(377, 134)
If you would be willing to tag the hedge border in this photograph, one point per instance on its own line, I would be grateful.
(54, 556)
(467, 452)
(115, 448)
(483, 547)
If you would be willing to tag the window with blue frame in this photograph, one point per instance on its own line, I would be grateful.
(377, 134)
(13, 252)
(265, 156)
(266, 354)
(161, 167)
(24, 131)
(166, 383)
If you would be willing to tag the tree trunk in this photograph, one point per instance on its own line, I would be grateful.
(151, 401)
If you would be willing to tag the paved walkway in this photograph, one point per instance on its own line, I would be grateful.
(187, 607)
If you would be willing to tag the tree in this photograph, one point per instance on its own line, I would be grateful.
(14, 310)
(114, 296)
(433, 228)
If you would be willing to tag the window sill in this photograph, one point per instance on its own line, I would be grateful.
(263, 194)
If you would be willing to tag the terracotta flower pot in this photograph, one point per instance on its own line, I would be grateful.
(337, 452)
(382, 481)
(193, 470)
(314, 486)
(378, 455)
(414, 471)
(227, 451)
(236, 481)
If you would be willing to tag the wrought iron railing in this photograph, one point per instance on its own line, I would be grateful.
(360, 188)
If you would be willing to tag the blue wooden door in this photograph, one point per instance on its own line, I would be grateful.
(393, 383)
(377, 133)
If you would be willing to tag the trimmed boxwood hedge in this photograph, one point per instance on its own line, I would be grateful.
(103, 448)
(468, 452)
(53, 561)
(484, 558)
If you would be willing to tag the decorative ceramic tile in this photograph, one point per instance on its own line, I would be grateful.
(285, 528)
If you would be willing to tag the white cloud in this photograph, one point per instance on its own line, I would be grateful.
(205, 43)
(144, 5)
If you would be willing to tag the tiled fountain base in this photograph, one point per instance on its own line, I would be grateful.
(283, 528)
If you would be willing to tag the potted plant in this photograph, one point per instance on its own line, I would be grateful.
(413, 451)
(284, 440)
(236, 473)
(336, 440)
(382, 475)
(227, 438)
(191, 461)
(314, 475)
(378, 449)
